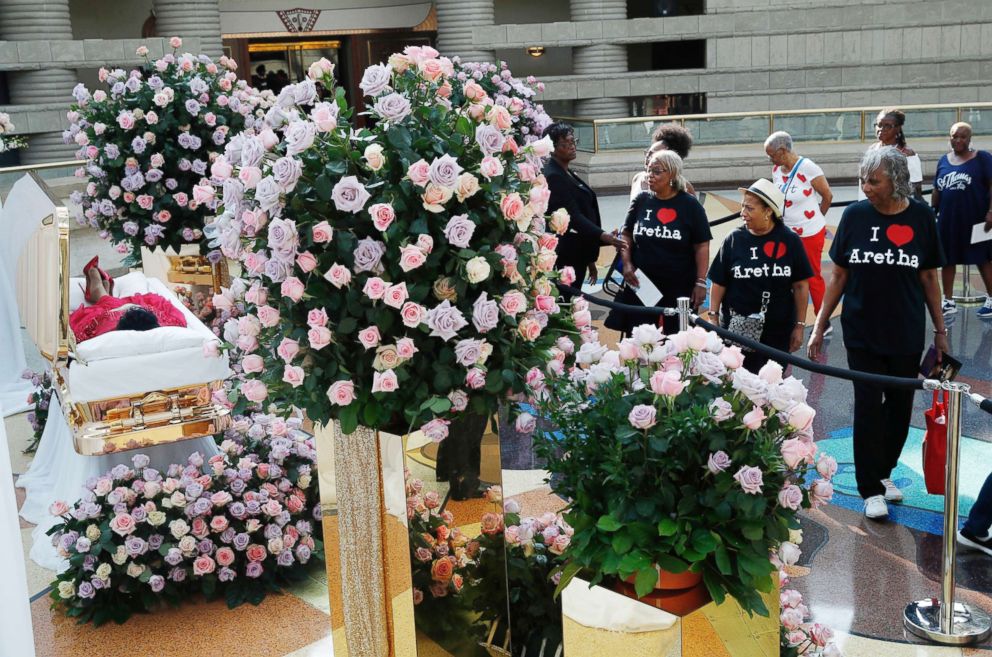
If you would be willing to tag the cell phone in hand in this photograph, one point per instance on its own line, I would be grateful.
(946, 370)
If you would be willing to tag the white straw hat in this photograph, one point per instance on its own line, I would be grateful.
(768, 192)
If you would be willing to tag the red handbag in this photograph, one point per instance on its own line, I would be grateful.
(935, 445)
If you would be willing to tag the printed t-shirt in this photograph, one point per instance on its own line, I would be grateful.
(748, 265)
(884, 303)
(665, 233)
(964, 201)
(802, 203)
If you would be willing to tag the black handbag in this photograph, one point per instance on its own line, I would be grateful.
(750, 326)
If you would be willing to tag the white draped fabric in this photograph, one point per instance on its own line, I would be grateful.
(27, 204)
(59, 473)
(15, 604)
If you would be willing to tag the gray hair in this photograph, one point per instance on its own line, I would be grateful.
(671, 162)
(893, 164)
(780, 139)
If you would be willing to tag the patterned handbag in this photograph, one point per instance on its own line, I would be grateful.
(750, 326)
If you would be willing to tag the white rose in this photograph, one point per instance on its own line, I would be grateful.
(135, 569)
(103, 571)
(66, 590)
(477, 270)
(373, 155)
(786, 394)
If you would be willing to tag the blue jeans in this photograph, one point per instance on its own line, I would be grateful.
(980, 518)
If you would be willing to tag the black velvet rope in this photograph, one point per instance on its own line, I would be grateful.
(986, 405)
(650, 311)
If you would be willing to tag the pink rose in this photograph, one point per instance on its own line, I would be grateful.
(254, 390)
(668, 384)
(526, 172)
(475, 378)
(374, 288)
(513, 302)
(293, 375)
(250, 176)
(203, 194)
(322, 232)
(225, 556)
(490, 167)
(559, 544)
(529, 329)
(750, 479)
(123, 524)
(395, 295)
(419, 173)
(319, 337)
(369, 337)
(474, 91)
(306, 261)
(341, 393)
(317, 317)
(268, 316)
(203, 565)
(211, 349)
(411, 257)
(256, 553)
(412, 314)
(292, 288)
(794, 452)
(58, 508)
(384, 381)
(325, 116)
(425, 243)
(247, 343)
(176, 42)
(821, 634)
(525, 424)
(642, 416)
(753, 418)
(512, 206)
(339, 276)
(288, 349)
(801, 416)
(790, 497)
(405, 348)
(436, 430)
(732, 357)
(252, 364)
(826, 466)
(382, 215)
(567, 275)
(821, 492)
(218, 524)
(718, 462)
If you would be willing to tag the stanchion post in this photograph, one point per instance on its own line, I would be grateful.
(945, 621)
(685, 308)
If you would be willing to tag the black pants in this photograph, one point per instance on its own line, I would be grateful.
(980, 518)
(459, 456)
(881, 417)
(754, 361)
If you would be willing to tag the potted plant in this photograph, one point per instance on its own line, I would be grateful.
(676, 460)
(149, 138)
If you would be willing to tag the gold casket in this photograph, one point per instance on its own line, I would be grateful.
(116, 396)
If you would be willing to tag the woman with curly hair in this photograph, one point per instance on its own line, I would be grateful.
(667, 137)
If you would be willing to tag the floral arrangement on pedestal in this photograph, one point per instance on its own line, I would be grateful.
(676, 458)
(240, 525)
(531, 566)
(398, 273)
(150, 138)
(440, 555)
(9, 142)
(41, 398)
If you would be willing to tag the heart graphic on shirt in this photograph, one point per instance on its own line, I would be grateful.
(809, 213)
(666, 215)
(788, 204)
(801, 177)
(774, 249)
(798, 231)
(899, 234)
(807, 192)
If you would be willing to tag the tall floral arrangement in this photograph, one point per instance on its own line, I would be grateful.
(41, 397)
(149, 138)
(239, 525)
(675, 457)
(512, 93)
(399, 272)
(9, 142)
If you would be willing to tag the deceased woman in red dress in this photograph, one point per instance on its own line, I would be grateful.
(138, 312)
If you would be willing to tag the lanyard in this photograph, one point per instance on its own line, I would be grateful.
(788, 183)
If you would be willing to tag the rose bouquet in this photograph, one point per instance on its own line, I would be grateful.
(398, 273)
(240, 525)
(149, 139)
(42, 399)
(440, 555)
(798, 635)
(498, 83)
(531, 566)
(9, 142)
(675, 457)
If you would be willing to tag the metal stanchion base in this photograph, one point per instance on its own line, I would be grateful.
(971, 624)
(956, 298)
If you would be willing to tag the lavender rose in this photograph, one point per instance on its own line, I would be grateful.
(368, 255)
(485, 313)
(489, 139)
(375, 80)
(468, 352)
(267, 193)
(459, 230)
(286, 172)
(349, 195)
(283, 238)
(300, 136)
(642, 416)
(252, 151)
(444, 172)
(718, 462)
(445, 320)
(392, 107)
(750, 479)
(721, 410)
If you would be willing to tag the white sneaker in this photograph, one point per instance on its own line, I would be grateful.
(830, 329)
(876, 508)
(985, 312)
(948, 307)
(892, 492)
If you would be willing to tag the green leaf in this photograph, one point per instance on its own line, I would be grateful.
(671, 564)
(753, 532)
(622, 542)
(704, 541)
(349, 418)
(645, 581)
(608, 524)
(667, 527)
(324, 187)
(723, 561)
(714, 586)
(568, 573)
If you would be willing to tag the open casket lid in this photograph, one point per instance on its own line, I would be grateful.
(42, 284)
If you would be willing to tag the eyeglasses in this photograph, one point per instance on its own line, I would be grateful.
(885, 126)
(656, 171)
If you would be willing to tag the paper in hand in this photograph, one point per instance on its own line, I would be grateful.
(647, 292)
(978, 233)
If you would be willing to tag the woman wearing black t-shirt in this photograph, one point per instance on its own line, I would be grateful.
(670, 242)
(886, 254)
(762, 266)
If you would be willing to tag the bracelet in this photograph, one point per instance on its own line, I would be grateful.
(701, 284)
(803, 324)
(936, 332)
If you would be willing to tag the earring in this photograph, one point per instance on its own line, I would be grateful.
(672, 183)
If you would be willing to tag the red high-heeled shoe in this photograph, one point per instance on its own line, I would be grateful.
(95, 262)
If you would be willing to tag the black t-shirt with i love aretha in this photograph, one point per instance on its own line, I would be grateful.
(884, 301)
(748, 265)
(665, 235)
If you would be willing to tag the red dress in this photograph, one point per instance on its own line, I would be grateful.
(87, 322)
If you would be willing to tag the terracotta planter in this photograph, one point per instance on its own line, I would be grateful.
(677, 593)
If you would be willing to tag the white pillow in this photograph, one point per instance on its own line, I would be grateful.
(124, 286)
(121, 344)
